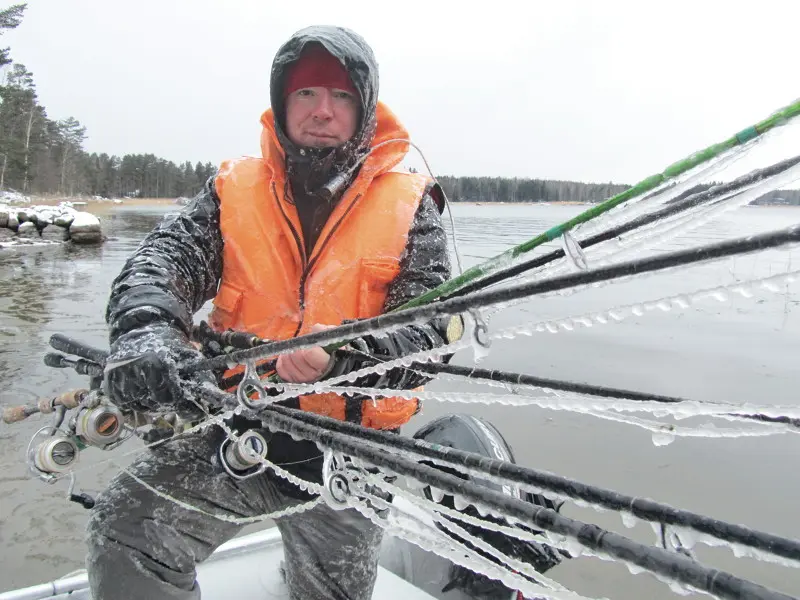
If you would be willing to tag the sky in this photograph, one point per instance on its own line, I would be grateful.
(589, 91)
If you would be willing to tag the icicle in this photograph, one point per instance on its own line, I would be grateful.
(460, 502)
(437, 494)
(679, 589)
(663, 438)
(634, 569)
(628, 519)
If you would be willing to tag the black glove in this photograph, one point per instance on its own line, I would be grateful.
(141, 373)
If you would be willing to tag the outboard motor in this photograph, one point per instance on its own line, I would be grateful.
(440, 577)
(476, 435)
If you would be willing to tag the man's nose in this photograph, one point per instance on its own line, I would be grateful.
(324, 106)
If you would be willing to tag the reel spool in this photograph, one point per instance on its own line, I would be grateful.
(57, 454)
(244, 458)
(100, 426)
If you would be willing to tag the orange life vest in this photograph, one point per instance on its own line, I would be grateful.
(276, 288)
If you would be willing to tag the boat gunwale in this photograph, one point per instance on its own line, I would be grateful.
(80, 580)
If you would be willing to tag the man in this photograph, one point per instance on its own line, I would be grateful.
(317, 231)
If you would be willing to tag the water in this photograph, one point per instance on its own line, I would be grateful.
(739, 350)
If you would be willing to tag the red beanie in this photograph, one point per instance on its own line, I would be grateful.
(316, 67)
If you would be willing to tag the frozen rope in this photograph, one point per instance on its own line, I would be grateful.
(292, 510)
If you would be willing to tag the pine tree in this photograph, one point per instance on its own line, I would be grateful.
(10, 18)
(71, 135)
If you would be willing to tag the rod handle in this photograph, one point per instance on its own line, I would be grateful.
(69, 400)
(65, 344)
(14, 414)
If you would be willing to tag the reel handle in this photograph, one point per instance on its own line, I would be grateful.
(84, 499)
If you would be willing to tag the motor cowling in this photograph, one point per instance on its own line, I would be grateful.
(476, 435)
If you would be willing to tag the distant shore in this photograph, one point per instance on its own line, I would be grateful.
(547, 203)
(102, 206)
(94, 206)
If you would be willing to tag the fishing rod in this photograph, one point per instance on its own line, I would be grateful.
(56, 455)
(480, 299)
(671, 209)
(779, 118)
(86, 367)
(507, 377)
(510, 473)
(656, 560)
(675, 207)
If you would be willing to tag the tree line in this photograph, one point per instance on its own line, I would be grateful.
(505, 189)
(39, 155)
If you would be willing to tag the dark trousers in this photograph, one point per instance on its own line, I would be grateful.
(145, 546)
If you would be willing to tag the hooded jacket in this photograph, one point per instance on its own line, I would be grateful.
(276, 285)
(178, 266)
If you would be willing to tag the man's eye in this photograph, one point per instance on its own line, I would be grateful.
(305, 92)
(342, 94)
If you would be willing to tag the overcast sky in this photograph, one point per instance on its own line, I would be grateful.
(593, 91)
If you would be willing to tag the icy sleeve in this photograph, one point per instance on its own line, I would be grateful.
(173, 272)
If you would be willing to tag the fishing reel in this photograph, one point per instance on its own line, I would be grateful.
(344, 476)
(338, 479)
(245, 456)
(55, 449)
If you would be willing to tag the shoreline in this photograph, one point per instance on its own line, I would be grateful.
(102, 206)
(93, 205)
(571, 203)
(559, 203)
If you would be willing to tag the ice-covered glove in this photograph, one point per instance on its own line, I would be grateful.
(141, 372)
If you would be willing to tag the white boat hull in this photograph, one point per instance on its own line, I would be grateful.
(245, 567)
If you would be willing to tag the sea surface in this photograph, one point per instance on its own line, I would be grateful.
(723, 348)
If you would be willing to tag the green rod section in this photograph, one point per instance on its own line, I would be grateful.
(777, 119)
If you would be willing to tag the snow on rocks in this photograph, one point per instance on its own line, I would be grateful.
(45, 224)
(10, 197)
(85, 228)
(27, 229)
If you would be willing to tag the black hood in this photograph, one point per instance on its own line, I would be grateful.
(315, 166)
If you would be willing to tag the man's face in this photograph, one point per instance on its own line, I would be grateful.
(321, 117)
